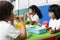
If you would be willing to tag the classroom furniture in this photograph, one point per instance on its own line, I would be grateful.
(49, 38)
(44, 35)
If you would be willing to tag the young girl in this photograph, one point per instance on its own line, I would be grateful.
(54, 14)
(7, 30)
(34, 14)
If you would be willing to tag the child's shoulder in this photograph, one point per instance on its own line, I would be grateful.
(59, 20)
(35, 15)
(51, 19)
(4, 23)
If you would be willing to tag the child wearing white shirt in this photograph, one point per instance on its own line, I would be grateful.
(7, 30)
(34, 14)
(54, 14)
(34, 18)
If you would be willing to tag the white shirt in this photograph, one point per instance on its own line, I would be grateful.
(54, 23)
(7, 31)
(58, 24)
(34, 18)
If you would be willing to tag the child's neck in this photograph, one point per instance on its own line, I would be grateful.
(11, 21)
(33, 14)
(53, 18)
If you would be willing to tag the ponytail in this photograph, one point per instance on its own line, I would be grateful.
(37, 10)
(39, 13)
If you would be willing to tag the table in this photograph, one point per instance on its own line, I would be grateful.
(37, 36)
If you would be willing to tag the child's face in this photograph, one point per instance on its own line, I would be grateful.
(51, 15)
(11, 16)
(30, 11)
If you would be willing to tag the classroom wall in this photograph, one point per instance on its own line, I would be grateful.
(26, 3)
(53, 1)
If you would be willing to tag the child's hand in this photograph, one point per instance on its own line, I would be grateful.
(28, 14)
(21, 17)
(52, 31)
(39, 24)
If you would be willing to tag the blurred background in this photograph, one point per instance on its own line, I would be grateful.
(21, 6)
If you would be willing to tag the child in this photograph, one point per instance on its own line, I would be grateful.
(54, 14)
(7, 30)
(34, 14)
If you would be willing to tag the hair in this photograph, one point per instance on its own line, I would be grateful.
(37, 10)
(5, 9)
(56, 9)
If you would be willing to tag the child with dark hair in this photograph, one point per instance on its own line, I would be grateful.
(7, 30)
(54, 14)
(34, 14)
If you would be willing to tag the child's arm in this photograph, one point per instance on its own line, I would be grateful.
(22, 29)
(31, 22)
(58, 29)
(25, 16)
(53, 31)
(48, 28)
(18, 32)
